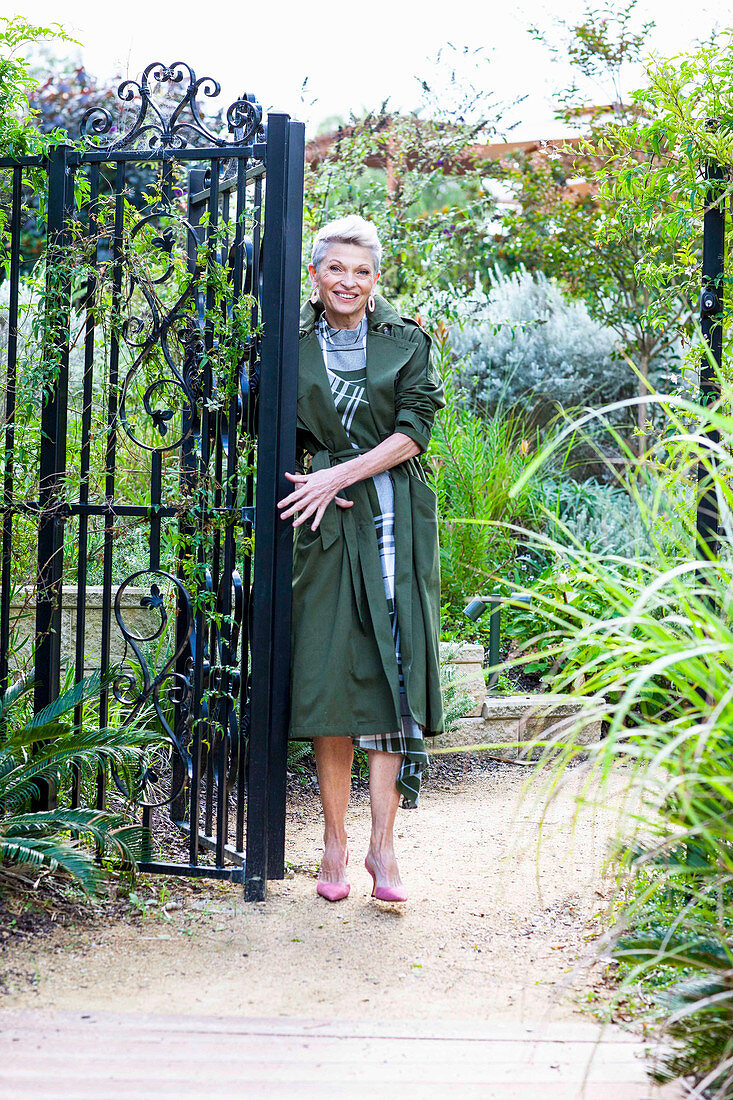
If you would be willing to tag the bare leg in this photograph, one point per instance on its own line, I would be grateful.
(384, 768)
(334, 756)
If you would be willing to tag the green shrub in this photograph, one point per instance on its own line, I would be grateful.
(473, 464)
(524, 346)
(649, 645)
(45, 750)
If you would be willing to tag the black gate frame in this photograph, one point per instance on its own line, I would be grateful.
(251, 708)
(711, 325)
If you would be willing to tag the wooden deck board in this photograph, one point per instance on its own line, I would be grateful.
(46, 1055)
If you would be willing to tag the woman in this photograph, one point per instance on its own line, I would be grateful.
(366, 579)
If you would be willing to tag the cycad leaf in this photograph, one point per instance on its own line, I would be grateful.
(52, 853)
(15, 692)
(79, 693)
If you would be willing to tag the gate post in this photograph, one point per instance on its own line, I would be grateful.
(53, 443)
(270, 695)
(711, 324)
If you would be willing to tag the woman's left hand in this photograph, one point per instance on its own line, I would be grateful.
(312, 496)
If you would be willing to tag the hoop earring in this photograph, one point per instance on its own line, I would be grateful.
(314, 295)
(371, 303)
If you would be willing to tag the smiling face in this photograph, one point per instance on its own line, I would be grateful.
(345, 278)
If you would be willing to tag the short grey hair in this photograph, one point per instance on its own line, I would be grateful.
(350, 230)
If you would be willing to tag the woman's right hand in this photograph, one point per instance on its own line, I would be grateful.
(313, 494)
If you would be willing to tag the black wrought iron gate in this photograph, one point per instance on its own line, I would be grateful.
(167, 365)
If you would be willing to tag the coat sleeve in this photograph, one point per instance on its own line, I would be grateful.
(418, 391)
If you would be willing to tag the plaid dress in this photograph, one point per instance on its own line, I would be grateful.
(344, 356)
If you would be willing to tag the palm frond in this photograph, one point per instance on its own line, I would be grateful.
(45, 748)
(99, 825)
(13, 694)
(53, 853)
(654, 945)
(81, 692)
(20, 773)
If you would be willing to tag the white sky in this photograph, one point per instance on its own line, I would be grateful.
(354, 55)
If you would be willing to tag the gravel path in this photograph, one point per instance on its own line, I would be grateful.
(497, 927)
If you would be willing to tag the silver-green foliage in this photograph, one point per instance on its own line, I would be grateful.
(524, 344)
(606, 519)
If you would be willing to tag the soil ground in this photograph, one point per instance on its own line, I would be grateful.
(498, 926)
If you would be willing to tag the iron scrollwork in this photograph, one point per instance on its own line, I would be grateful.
(173, 329)
(221, 673)
(168, 686)
(172, 126)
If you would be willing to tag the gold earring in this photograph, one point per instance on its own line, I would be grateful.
(314, 295)
(370, 303)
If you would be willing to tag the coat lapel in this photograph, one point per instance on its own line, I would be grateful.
(386, 356)
(387, 353)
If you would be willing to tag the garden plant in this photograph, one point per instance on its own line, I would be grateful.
(645, 638)
(47, 750)
(579, 294)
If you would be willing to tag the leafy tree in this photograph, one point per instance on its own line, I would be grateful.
(682, 120)
(568, 226)
(18, 134)
(420, 177)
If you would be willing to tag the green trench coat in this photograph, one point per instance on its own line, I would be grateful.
(344, 670)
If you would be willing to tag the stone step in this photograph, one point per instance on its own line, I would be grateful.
(509, 722)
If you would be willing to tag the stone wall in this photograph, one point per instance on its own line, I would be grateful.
(23, 625)
(469, 663)
(509, 722)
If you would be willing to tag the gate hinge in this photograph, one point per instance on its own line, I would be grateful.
(247, 516)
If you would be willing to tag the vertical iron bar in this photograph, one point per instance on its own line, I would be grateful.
(711, 323)
(204, 473)
(213, 497)
(10, 382)
(189, 430)
(53, 444)
(229, 491)
(273, 549)
(156, 463)
(288, 400)
(217, 761)
(110, 458)
(187, 529)
(156, 499)
(146, 851)
(85, 457)
(239, 700)
(224, 246)
(252, 367)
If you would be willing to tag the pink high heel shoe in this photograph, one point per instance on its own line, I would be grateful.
(385, 893)
(334, 891)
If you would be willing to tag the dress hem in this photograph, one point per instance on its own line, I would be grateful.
(362, 731)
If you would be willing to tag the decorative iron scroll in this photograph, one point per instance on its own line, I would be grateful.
(171, 327)
(172, 126)
(225, 675)
(150, 686)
